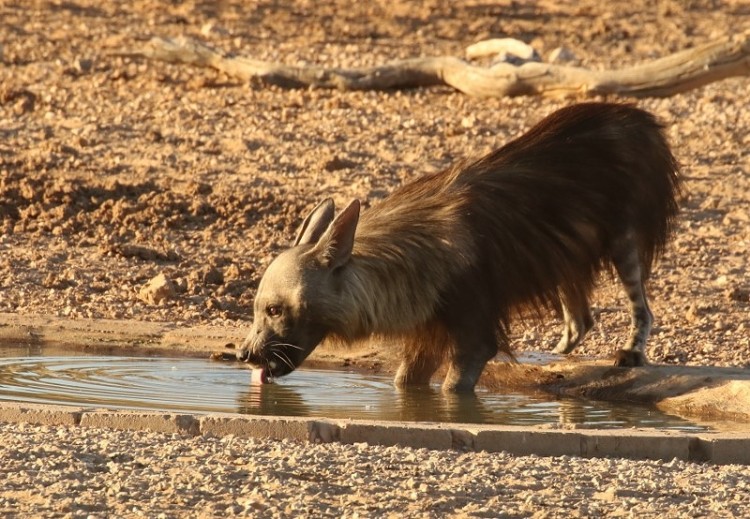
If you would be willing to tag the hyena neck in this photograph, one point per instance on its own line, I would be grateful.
(379, 299)
(395, 277)
(407, 250)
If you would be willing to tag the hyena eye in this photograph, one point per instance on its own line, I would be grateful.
(273, 310)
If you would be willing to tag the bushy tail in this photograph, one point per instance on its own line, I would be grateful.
(660, 193)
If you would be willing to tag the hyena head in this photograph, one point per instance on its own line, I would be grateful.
(299, 302)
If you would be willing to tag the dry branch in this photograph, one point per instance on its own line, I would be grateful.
(725, 57)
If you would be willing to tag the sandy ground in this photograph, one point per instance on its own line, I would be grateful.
(124, 474)
(93, 473)
(114, 169)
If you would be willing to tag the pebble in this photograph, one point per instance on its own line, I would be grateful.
(562, 55)
(158, 289)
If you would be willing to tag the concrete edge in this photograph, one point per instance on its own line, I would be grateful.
(637, 444)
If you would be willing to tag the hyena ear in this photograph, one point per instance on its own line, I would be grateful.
(316, 223)
(336, 245)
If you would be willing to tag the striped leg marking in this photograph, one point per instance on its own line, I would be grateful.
(630, 271)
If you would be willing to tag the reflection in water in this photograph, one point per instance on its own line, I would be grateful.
(375, 400)
(198, 386)
(429, 404)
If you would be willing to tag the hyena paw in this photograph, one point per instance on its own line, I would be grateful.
(629, 358)
(564, 346)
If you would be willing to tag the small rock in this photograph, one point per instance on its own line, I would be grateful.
(213, 276)
(83, 66)
(608, 495)
(22, 101)
(508, 47)
(232, 273)
(55, 282)
(506, 57)
(181, 285)
(337, 163)
(562, 55)
(468, 122)
(211, 28)
(736, 216)
(199, 188)
(739, 294)
(213, 304)
(207, 275)
(157, 290)
(143, 252)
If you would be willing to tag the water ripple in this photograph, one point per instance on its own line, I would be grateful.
(201, 386)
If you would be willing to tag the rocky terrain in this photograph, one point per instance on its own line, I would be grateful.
(58, 472)
(115, 170)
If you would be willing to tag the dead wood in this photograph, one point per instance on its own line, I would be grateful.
(722, 58)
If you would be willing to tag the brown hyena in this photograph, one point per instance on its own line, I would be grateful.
(442, 264)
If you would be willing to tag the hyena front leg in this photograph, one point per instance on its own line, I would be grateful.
(631, 272)
(473, 346)
(417, 367)
(577, 321)
(423, 353)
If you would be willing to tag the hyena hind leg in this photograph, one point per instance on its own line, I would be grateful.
(631, 272)
(577, 321)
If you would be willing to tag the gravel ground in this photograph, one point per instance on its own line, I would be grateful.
(94, 473)
(114, 169)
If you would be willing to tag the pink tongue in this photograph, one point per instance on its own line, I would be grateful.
(258, 376)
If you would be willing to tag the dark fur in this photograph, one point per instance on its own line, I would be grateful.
(443, 263)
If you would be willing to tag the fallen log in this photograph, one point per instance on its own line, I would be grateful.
(728, 56)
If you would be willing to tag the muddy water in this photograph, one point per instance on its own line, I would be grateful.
(200, 386)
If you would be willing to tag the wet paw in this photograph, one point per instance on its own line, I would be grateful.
(629, 358)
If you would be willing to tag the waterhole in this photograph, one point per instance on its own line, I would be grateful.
(203, 386)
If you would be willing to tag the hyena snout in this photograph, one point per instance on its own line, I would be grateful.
(254, 348)
(267, 351)
(248, 351)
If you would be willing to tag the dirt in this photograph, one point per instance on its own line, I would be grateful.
(145, 474)
(115, 170)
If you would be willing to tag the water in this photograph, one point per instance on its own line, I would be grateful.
(202, 386)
